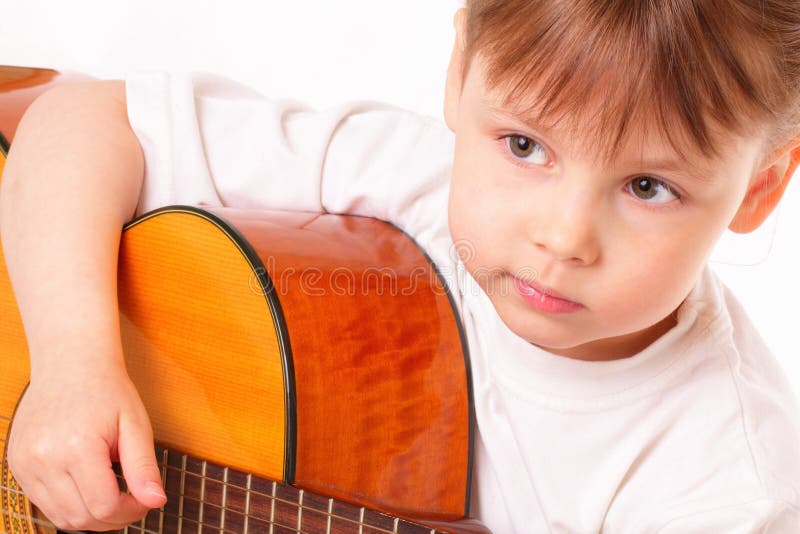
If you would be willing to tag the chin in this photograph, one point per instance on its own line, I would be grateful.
(547, 334)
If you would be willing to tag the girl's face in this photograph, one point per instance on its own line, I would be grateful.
(533, 211)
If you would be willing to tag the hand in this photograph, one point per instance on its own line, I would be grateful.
(69, 427)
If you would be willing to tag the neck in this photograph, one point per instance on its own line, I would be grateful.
(619, 347)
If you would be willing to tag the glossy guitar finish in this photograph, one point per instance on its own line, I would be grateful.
(354, 387)
(317, 350)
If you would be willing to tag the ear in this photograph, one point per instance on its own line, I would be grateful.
(452, 90)
(766, 189)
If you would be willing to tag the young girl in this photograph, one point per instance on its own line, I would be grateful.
(599, 151)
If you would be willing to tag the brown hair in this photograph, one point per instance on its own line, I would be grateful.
(692, 66)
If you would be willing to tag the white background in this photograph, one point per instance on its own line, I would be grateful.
(324, 52)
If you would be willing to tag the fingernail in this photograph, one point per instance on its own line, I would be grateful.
(154, 488)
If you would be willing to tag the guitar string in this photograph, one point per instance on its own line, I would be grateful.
(137, 525)
(284, 501)
(272, 498)
(354, 522)
(48, 524)
(167, 466)
(229, 486)
(251, 516)
(43, 522)
(221, 530)
(252, 492)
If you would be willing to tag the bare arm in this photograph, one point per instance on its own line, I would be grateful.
(71, 181)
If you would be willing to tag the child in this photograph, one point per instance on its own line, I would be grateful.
(600, 150)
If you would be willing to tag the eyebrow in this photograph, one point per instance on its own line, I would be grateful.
(676, 165)
(503, 113)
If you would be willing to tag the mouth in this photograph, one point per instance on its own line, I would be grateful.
(545, 298)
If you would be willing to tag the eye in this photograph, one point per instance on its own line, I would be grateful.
(651, 190)
(527, 149)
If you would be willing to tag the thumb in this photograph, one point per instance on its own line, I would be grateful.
(138, 460)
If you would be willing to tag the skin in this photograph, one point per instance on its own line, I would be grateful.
(67, 191)
(541, 205)
(65, 194)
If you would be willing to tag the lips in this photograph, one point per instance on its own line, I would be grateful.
(545, 298)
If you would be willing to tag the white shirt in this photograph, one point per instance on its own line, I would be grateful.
(697, 433)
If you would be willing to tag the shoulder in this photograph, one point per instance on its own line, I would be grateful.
(724, 447)
(769, 408)
(210, 96)
(763, 413)
(358, 157)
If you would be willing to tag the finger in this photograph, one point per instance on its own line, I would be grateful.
(91, 522)
(36, 492)
(61, 503)
(138, 460)
(97, 485)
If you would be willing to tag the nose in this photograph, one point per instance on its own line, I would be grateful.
(565, 225)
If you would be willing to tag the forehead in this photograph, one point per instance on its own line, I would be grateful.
(580, 129)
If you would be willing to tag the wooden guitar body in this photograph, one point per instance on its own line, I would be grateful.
(302, 372)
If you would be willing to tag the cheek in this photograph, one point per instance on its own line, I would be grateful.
(479, 237)
(464, 219)
(480, 195)
(652, 280)
(467, 212)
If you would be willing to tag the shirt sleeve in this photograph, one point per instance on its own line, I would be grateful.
(209, 141)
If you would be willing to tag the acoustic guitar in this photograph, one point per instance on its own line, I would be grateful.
(302, 372)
